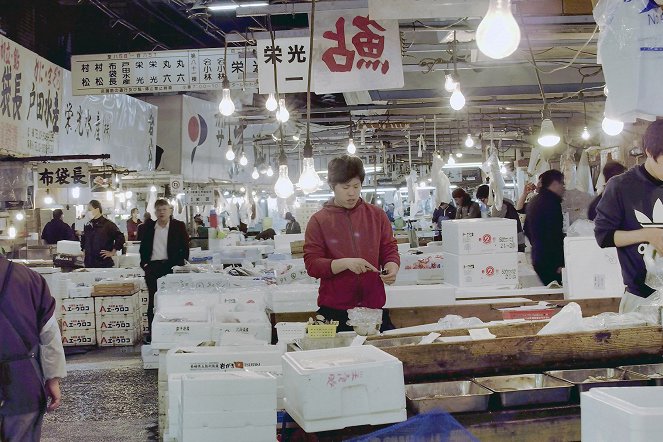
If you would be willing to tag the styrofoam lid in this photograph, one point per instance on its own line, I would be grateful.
(634, 400)
(337, 357)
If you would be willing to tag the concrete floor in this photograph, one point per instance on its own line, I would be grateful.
(107, 396)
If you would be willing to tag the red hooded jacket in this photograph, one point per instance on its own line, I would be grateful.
(361, 232)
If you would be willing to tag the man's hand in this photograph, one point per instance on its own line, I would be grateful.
(107, 254)
(53, 394)
(392, 270)
(655, 238)
(529, 188)
(357, 265)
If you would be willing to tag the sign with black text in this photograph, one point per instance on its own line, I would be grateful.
(63, 175)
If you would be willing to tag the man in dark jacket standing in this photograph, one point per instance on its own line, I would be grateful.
(101, 239)
(57, 230)
(292, 226)
(165, 244)
(443, 212)
(544, 226)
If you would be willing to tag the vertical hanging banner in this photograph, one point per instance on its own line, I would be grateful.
(353, 52)
(162, 71)
(30, 100)
(291, 57)
(116, 124)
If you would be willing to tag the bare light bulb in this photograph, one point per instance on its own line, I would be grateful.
(76, 192)
(548, 137)
(242, 189)
(226, 106)
(243, 161)
(585, 134)
(503, 170)
(612, 127)
(457, 100)
(449, 83)
(451, 160)
(230, 153)
(459, 154)
(469, 141)
(271, 103)
(283, 186)
(153, 188)
(498, 34)
(255, 175)
(282, 115)
(128, 194)
(270, 171)
(48, 200)
(12, 232)
(309, 181)
(352, 149)
(20, 216)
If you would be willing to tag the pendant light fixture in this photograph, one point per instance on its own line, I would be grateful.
(270, 171)
(243, 161)
(283, 186)
(585, 135)
(230, 153)
(309, 180)
(226, 106)
(352, 149)
(498, 34)
(48, 199)
(457, 99)
(255, 175)
(271, 104)
(612, 127)
(282, 114)
(469, 141)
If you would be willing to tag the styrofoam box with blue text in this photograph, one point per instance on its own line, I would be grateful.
(479, 236)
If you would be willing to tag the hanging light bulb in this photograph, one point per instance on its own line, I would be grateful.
(242, 189)
(352, 149)
(459, 154)
(153, 188)
(128, 194)
(48, 200)
(12, 232)
(243, 161)
(498, 34)
(226, 106)
(469, 141)
(20, 216)
(548, 137)
(283, 186)
(449, 83)
(309, 181)
(230, 153)
(503, 169)
(255, 175)
(270, 171)
(282, 115)
(271, 103)
(457, 100)
(585, 134)
(612, 127)
(76, 192)
(109, 195)
(451, 160)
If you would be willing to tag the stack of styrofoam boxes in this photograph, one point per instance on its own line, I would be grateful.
(421, 269)
(293, 298)
(240, 327)
(144, 299)
(187, 360)
(343, 387)
(238, 406)
(480, 252)
(118, 320)
(591, 272)
(77, 322)
(150, 357)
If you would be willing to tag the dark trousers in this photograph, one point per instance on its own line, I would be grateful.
(153, 271)
(331, 314)
(21, 428)
(547, 272)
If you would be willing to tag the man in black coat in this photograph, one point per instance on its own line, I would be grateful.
(165, 243)
(57, 230)
(544, 226)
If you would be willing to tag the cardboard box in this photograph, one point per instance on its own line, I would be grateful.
(83, 321)
(76, 306)
(76, 338)
(481, 235)
(117, 338)
(481, 270)
(117, 322)
(116, 305)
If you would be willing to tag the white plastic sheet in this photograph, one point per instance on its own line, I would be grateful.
(584, 175)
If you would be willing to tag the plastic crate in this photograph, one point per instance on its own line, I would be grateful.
(289, 332)
(322, 331)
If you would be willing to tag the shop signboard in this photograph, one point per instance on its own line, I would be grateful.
(291, 58)
(196, 196)
(162, 71)
(63, 175)
(352, 52)
(30, 100)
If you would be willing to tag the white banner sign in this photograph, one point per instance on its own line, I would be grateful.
(352, 52)
(30, 101)
(116, 124)
(291, 56)
(199, 197)
(63, 175)
(162, 71)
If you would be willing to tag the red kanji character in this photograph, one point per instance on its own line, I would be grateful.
(369, 44)
(340, 50)
(17, 59)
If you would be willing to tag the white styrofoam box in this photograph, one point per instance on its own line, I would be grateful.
(481, 270)
(619, 414)
(133, 246)
(117, 338)
(277, 372)
(77, 306)
(289, 332)
(481, 235)
(52, 277)
(495, 292)
(293, 298)
(79, 291)
(116, 305)
(149, 354)
(243, 300)
(118, 322)
(340, 387)
(419, 295)
(173, 402)
(171, 299)
(252, 434)
(592, 272)
(76, 337)
(193, 281)
(129, 260)
(226, 326)
(79, 321)
(282, 242)
(229, 419)
(181, 326)
(426, 266)
(69, 248)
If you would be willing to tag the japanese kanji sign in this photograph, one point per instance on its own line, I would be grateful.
(162, 71)
(30, 100)
(352, 52)
(291, 57)
(196, 196)
(63, 175)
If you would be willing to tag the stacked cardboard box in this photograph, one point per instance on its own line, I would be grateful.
(118, 320)
(77, 322)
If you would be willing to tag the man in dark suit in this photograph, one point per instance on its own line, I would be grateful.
(165, 243)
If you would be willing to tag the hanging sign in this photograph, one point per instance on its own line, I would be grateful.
(162, 71)
(353, 52)
(176, 185)
(63, 175)
(291, 57)
(199, 197)
(30, 100)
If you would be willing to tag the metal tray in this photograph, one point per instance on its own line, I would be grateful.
(527, 389)
(653, 371)
(453, 397)
(615, 378)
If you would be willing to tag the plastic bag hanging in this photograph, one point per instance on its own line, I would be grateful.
(422, 146)
(492, 168)
(584, 175)
(411, 181)
(569, 169)
(440, 181)
(399, 210)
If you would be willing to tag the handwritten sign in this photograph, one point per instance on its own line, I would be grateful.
(291, 58)
(63, 175)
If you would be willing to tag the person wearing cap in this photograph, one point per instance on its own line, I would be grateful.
(508, 211)
(57, 230)
(627, 217)
(292, 226)
(465, 207)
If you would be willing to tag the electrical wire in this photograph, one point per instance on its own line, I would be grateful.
(575, 57)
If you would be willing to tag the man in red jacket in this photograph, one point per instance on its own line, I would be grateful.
(346, 245)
